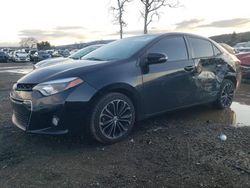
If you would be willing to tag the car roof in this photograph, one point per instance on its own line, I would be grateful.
(172, 33)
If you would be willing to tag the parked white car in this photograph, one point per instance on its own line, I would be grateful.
(20, 56)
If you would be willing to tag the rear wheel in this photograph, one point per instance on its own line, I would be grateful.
(226, 94)
(112, 118)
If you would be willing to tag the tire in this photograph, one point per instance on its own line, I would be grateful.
(226, 94)
(112, 118)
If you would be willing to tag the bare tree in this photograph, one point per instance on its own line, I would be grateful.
(118, 12)
(28, 42)
(151, 10)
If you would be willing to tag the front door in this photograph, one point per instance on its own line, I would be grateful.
(169, 85)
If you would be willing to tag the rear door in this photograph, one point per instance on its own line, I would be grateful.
(168, 85)
(206, 57)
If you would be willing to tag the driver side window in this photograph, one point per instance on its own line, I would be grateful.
(174, 48)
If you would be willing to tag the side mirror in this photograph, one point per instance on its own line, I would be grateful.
(156, 58)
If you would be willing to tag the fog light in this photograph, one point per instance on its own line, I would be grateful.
(55, 120)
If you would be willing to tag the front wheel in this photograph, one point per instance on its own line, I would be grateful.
(226, 94)
(112, 118)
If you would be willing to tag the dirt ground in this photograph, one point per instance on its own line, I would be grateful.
(178, 149)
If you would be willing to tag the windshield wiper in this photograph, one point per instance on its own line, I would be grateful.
(94, 59)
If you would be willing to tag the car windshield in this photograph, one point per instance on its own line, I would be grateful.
(121, 49)
(80, 53)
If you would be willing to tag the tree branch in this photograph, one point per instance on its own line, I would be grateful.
(151, 8)
(118, 14)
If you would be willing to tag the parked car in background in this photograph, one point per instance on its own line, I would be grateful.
(56, 54)
(11, 55)
(124, 81)
(73, 51)
(6, 50)
(76, 56)
(65, 53)
(33, 55)
(20, 56)
(42, 55)
(244, 58)
(61, 53)
(242, 47)
(3, 57)
(50, 52)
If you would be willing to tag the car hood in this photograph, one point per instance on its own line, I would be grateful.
(68, 69)
(51, 61)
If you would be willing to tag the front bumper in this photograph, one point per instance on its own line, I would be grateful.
(21, 59)
(34, 113)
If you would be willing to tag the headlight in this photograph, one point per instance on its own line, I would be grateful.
(56, 86)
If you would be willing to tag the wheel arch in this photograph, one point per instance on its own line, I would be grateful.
(125, 89)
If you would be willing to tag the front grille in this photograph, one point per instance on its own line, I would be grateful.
(25, 87)
(21, 112)
(22, 119)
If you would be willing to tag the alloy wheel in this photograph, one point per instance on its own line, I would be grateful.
(115, 119)
(227, 94)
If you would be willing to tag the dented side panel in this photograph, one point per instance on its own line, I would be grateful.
(210, 72)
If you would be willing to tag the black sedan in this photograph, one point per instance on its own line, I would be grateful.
(123, 82)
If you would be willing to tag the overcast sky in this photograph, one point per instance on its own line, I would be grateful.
(71, 21)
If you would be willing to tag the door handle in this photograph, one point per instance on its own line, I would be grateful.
(189, 68)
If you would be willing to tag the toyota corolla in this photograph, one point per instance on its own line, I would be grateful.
(125, 81)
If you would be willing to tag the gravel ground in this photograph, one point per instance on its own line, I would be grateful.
(178, 149)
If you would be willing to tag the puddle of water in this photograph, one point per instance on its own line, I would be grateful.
(238, 115)
(242, 114)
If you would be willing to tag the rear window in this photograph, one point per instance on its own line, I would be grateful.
(201, 47)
